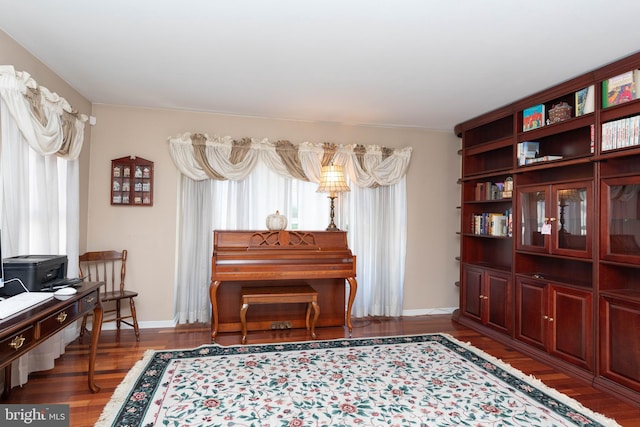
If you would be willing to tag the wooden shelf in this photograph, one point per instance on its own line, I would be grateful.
(632, 295)
(619, 111)
(557, 128)
(505, 200)
(489, 146)
(489, 173)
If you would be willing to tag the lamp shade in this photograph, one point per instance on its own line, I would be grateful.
(332, 180)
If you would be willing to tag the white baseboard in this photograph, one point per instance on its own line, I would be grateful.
(429, 311)
(111, 326)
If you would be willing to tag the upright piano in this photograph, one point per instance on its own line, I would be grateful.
(321, 259)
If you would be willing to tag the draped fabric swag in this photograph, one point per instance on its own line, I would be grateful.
(200, 157)
(46, 120)
(41, 139)
(377, 176)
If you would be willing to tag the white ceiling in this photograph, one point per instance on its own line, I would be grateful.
(422, 63)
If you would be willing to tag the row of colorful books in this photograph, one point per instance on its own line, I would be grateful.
(493, 224)
(621, 133)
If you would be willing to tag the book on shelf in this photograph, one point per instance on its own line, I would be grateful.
(489, 190)
(477, 223)
(620, 89)
(498, 225)
(541, 159)
(533, 117)
(480, 191)
(527, 150)
(621, 133)
(585, 101)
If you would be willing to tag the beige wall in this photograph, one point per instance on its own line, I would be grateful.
(149, 233)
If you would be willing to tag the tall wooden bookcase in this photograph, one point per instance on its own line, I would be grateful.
(550, 226)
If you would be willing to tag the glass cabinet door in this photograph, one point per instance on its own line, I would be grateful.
(556, 219)
(534, 222)
(621, 219)
(572, 209)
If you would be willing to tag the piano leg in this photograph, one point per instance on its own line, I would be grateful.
(243, 321)
(353, 288)
(213, 296)
(311, 323)
(316, 314)
(308, 317)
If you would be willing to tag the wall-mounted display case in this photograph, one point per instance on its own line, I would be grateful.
(131, 182)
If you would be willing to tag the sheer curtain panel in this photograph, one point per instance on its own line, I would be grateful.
(41, 138)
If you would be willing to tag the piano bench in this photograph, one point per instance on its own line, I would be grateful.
(280, 294)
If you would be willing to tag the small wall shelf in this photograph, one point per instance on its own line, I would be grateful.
(131, 182)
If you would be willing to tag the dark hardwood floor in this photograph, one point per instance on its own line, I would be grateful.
(67, 382)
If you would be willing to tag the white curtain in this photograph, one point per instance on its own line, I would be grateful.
(245, 189)
(379, 241)
(41, 138)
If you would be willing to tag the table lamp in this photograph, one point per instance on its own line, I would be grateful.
(332, 181)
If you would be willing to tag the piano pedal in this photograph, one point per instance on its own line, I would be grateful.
(281, 325)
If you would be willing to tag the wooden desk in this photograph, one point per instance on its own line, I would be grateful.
(242, 259)
(29, 328)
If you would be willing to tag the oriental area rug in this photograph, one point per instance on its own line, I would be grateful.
(421, 380)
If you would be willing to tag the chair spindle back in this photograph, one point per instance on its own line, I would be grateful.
(109, 267)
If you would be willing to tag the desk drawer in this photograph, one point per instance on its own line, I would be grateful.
(58, 320)
(89, 302)
(16, 343)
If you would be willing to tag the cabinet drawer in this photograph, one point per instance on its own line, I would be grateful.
(16, 342)
(58, 320)
(88, 302)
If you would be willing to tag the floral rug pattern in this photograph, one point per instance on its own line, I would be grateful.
(425, 380)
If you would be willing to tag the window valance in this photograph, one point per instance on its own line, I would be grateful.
(201, 157)
(49, 124)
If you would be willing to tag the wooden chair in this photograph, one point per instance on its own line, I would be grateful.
(110, 267)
